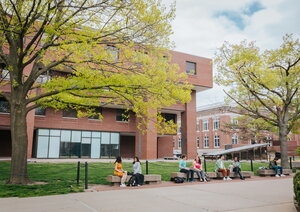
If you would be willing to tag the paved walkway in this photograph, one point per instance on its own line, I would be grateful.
(260, 195)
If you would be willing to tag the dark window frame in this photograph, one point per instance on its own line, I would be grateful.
(189, 70)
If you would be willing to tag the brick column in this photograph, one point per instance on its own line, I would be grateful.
(188, 126)
(30, 130)
(165, 146)
(146, 141)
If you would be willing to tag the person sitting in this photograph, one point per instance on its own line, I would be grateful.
(237, 167)
(118, 171)
(220, 167)
(273, 165)
(197, 167)
(184, 169)
(137, 171)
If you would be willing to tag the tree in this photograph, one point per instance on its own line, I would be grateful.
(264, 84)
(78, 54)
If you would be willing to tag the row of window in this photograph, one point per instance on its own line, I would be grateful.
(206, 141)
(121, 114)
(205, 123)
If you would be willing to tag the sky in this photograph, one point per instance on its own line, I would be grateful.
(202, 26)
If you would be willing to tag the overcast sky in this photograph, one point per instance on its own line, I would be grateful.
(201, 26)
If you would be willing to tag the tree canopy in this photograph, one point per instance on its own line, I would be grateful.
(264, 84)
(82, 53)
(114, 51)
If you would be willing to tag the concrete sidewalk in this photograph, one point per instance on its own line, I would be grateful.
(260, 195)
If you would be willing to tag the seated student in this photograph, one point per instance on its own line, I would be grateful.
(273, 165)
(197, 167)
(118, 171)
(221, 168)
(184, 169)
(237, 167)
(137, 171)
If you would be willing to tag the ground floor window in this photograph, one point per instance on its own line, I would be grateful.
(56, 143)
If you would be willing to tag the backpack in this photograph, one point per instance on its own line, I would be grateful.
(132, 181)
(178, 179)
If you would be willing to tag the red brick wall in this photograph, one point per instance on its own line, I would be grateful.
(127, 146)
(165, 146)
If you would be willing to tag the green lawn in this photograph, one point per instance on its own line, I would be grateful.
(60, 178)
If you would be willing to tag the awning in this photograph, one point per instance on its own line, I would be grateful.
(237, 149)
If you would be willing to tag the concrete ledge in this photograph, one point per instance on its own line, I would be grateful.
(150, 178)
(271, 172)
(212, 175)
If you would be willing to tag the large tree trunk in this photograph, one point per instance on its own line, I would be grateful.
(283, 145)
(18, 173)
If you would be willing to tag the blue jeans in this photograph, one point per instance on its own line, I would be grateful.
(276, 169)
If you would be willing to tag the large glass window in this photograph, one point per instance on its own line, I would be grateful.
(198, 142)
(179, 142)
(190, 68)
(75, 144)
(113, 51)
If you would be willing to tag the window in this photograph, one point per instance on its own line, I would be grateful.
(40, 111)
(269, 140)
(206, 144)
(113, 51)
(43, 78)
(217, 141)
(197, 126)
(234, 139)
(205, 125)
(71, 113)
(190, 68)
(122, 115)
(198, 142)
(216, 123)
(97, 110)
(179, 142)
(234, 121)
(169, 117)
(5, 74)
(4, 105)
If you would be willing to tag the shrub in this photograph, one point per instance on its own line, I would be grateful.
(297, 188)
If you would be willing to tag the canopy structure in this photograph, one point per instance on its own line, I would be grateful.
(235, 150)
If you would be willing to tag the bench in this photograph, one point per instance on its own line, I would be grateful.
(271, 172)
(149, 178)
(212, 175)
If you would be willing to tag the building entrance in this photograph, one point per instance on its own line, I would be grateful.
(5, 143)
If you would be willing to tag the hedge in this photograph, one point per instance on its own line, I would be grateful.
(297, 188)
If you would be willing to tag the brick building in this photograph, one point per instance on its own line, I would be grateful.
(210, 138)
(60, 134)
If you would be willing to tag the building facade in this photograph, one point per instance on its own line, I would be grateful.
(210, 138)
(60, 134)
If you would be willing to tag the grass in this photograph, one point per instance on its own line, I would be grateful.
(60, 178)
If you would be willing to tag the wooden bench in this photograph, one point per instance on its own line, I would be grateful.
(149, 178)
(212, 175)
(271, 172)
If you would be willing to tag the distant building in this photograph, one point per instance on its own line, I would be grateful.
(210, 138)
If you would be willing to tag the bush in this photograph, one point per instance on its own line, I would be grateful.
(297, 188)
